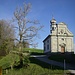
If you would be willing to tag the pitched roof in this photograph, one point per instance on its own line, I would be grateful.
(46, 38)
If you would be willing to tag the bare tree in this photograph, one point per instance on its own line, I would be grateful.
(26, 28)
(25, 44)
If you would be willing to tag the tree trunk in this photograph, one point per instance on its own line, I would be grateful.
(21, 59)
(20, 49)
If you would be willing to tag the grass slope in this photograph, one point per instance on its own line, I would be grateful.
(69, 58)
(7, 60)
(36, 67)
(34, 51)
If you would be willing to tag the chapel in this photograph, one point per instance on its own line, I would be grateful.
(60, 38)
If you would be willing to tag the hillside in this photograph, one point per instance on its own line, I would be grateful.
(36, 67)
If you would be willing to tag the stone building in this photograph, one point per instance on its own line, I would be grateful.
(60, 39)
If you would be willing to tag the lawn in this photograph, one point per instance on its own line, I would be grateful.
(57, 57)
(37, 67)
(34, 69)
(34, 51)
(7, 60)
(43, 64)
(1, 57)
(69, 58)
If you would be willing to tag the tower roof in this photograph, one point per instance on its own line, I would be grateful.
(53, 20)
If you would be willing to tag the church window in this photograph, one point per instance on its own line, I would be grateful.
(44, 43)
(47, 41)
(52, 28)
(48, 47)
(63, 39)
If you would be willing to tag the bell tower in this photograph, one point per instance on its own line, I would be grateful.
(53, 25)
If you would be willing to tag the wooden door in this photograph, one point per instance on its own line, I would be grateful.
(62, 49)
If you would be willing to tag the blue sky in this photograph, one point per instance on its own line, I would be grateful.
(62, 10)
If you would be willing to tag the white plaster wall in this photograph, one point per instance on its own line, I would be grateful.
(67, 40)
(69, 44)
(47, 43)
(53, 44)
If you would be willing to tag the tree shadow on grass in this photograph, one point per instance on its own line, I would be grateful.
(48, 66)
(68, 57)
(35, 53)
(43, 64)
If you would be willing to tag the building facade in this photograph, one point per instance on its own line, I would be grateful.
(60, 39)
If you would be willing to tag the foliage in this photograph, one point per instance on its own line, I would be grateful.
(26, 61)
(6, 36)
(1, 57)
(6, 46)
(12, 60)
(8, 60)
(25, 44)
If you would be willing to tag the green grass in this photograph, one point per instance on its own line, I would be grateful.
(1, 57)
(57, 57)
(31, 50)
(36, 67)
(43, 64)
(7, 60)
(69, 58)
(34, 51)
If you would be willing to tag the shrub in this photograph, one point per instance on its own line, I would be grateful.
(8, 60)
(26, 61)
